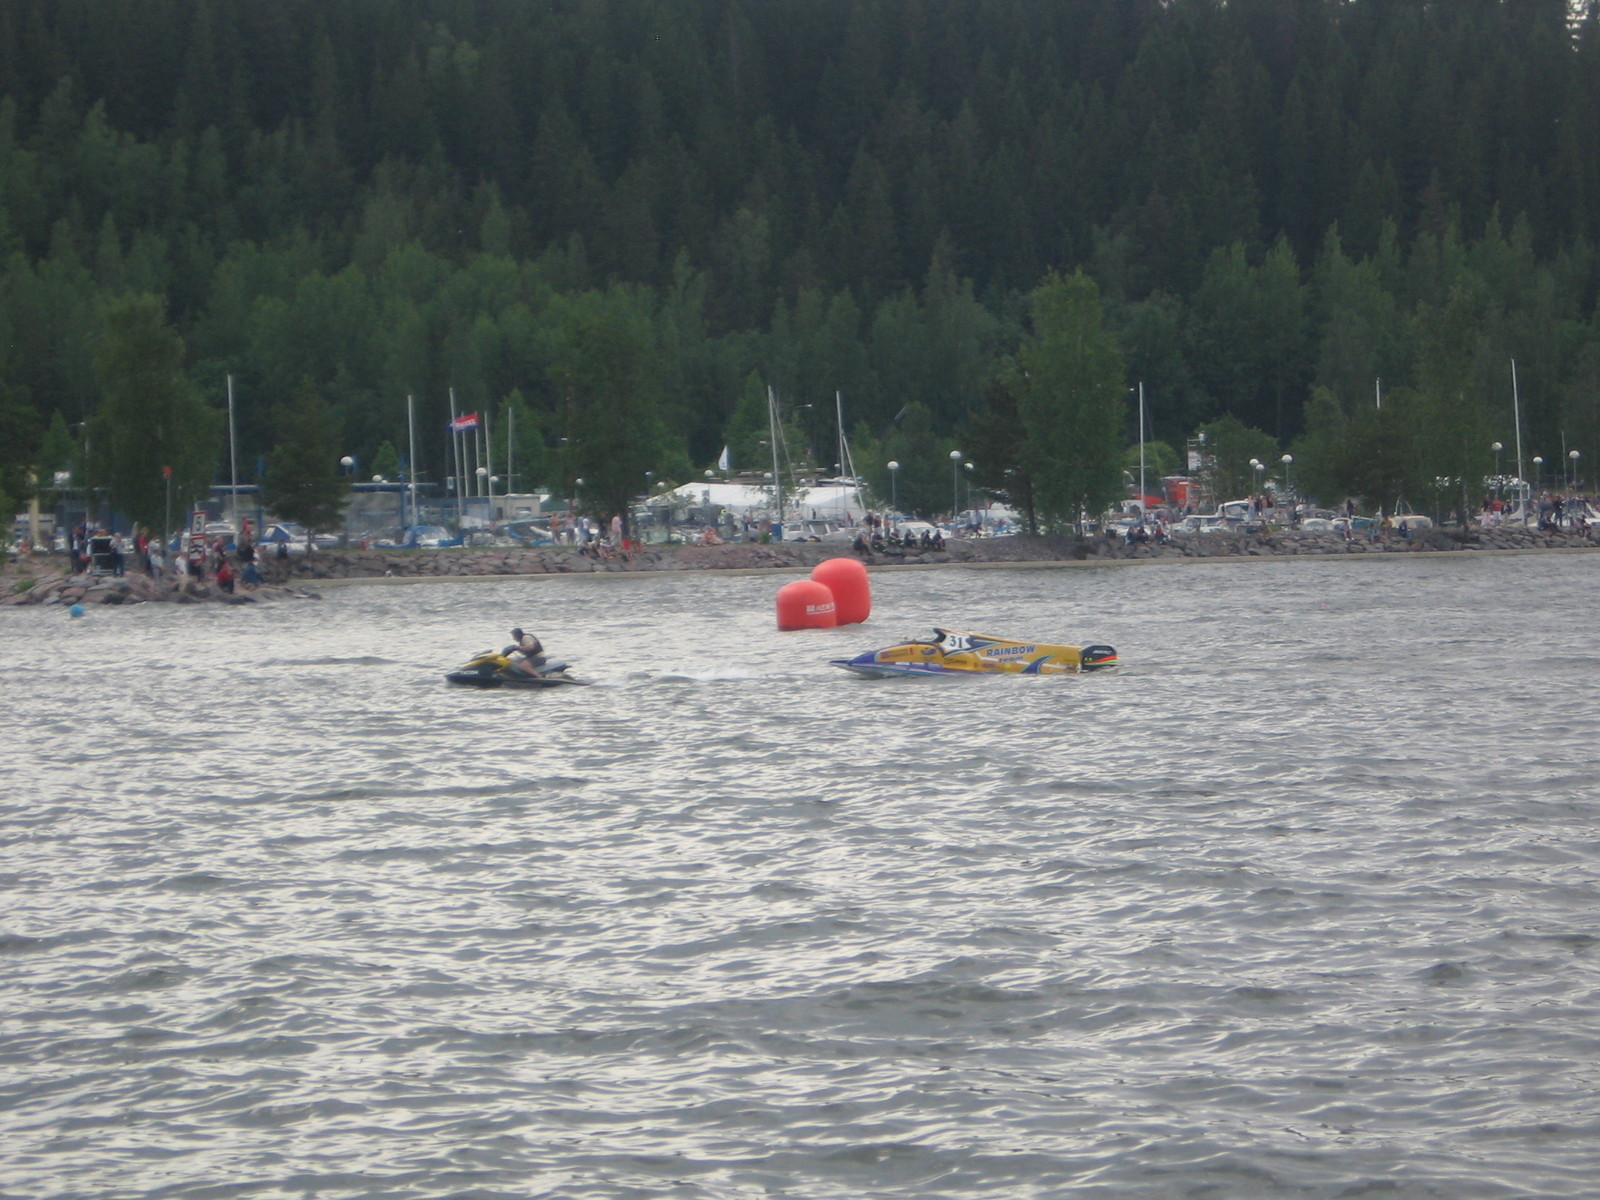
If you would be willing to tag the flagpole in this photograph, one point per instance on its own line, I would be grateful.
(411, 467)
(511, 424)
(1516, 416)
(488, 468)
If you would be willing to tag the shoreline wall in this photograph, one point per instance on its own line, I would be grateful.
(42, 579)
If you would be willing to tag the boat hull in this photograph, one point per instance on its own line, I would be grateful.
(475, 679)
(956, 653)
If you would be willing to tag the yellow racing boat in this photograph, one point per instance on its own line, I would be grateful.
(954, 652)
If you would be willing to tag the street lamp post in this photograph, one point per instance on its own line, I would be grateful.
(967, 467)
(894, 487)
(1497, 447)
(955, 483)
(1286, 460)
(348, 465)
(1538, 465)
(1572, 455)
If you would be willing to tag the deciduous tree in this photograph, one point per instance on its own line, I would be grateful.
(1072, 402)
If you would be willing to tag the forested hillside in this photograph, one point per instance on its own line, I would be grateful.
(625, 218)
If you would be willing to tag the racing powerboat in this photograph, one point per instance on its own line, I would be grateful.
(494, 669)
(953, 652)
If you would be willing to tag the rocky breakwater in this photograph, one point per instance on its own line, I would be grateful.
(56, 587)
(40, 581)
(1274, 543)
(468, 563)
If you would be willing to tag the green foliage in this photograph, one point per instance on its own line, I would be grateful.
(997, 437)
(923, 483)
(1379, 459)
(526, 458)
(1160, 460)
(408, 200)
(749, 428)
(19, 440)
(386, 462)
(604, 363)
(151, 418)
(1230, 448)
(1320, 466)
(58, 451)
(303, 481)
(1071, 402)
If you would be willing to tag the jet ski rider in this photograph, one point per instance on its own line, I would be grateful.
(527, 655)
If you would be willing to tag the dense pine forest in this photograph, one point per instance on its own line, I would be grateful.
(1322, 227)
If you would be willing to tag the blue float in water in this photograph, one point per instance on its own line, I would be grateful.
(76, 610)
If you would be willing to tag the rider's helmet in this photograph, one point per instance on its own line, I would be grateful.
(517, 633)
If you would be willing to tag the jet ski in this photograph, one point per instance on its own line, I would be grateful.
(494, 669)
(954, 652)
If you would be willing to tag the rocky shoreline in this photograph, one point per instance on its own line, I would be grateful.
(43, 580)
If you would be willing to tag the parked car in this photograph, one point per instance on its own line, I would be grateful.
(292, 536)
(1203, 523)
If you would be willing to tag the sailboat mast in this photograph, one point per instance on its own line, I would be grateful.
(844, 457)
(455, 458)
(1516, 416)
(233, 465)
(772, 427)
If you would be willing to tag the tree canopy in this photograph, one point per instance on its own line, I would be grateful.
(1276, 202)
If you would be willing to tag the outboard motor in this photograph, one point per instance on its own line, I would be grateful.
(1096, 658)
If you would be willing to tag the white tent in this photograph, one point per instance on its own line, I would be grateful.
(733, 497)
(836, 500)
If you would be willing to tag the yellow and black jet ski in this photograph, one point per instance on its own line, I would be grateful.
(496, 669)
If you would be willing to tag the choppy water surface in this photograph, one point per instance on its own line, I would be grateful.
(1301, 903)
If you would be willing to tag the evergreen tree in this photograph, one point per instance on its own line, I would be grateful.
(996, 437)
(386, 462)
(605, 365)
(19, 441)
(303, 481)
(1072, 402)
(151, 418)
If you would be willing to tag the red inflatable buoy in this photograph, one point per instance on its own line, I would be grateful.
(846, 578)
(806, 604)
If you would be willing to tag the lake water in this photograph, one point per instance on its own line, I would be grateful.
(1301, 902)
